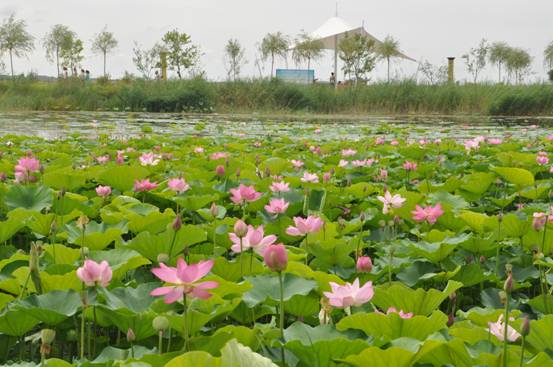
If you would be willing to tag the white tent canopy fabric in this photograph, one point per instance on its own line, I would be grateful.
(334, 30)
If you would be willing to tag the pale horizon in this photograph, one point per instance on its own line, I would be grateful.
(427, 30)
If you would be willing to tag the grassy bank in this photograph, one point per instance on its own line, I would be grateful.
(271, 96)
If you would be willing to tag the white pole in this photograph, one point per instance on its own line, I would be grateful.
(335, 60)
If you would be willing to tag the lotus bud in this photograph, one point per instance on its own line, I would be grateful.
(450, 319)
(482, 259)
(47, 336)
(238, 172)
(177, 223)
(160, 323)
(470, 259)
(276, 257)
(267, 172)
(326, 177)
(82, 222)
(453, 297)
(240, 228)
(500, 217)
(214, 209)
(162, 258)
(364, 264)
(397, 219)
(3, 177)
(362, 217)
(227, 163)
(220, 170)
(503, 297)
(341, 223)
(130, 335)
(525, 327)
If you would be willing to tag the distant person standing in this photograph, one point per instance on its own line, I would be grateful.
(64, 72)
(332, 78)
(82, 76)
(158, 76)
(87, 75)
(74, 71)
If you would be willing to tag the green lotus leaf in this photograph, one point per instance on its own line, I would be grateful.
(30, 197)
(52, 307)
(516, 176)
(266, 287)
(122, 178)
(97, 236)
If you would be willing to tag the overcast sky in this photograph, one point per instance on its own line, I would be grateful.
(427, 29)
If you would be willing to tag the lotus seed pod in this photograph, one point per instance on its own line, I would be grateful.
(162, 258)
(47, 336)
(160, 323)
(71, 335)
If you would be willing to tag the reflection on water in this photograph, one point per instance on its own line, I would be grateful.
(52, 125)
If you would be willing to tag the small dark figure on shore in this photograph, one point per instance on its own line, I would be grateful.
(87, 75)
(74, 71)
(64, 72)
(82, 74)
(332, 78)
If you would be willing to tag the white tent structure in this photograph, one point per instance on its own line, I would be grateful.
(334, 30)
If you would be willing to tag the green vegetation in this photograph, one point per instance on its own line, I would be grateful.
(198, 95)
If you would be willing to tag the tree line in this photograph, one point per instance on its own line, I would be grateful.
(358, 53)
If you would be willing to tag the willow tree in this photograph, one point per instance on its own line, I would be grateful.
(388, 49)
(517, 63)
(59, 38)
(498, 54)
(15, 39)
(235, 56)
(73, 54)
(273, 45)
(103, 43)
(307, 49)
(548, 56)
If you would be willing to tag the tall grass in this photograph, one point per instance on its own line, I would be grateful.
(198, 95)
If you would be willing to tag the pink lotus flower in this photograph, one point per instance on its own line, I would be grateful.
(280, 187)
(93, 274)
(244, 194)
(327, 176)
(257, 144)
(494, 141)
(380, 141)
(277, 206)
(410, 166)
(343, 163)
(310, 177)
(120, 158)
(401, 314)
(144, 185)
(184, 280)
(471, 145)
(149, 159)
(437, 141)
(311, 224)
(103, 159)
(297, 164)
(276, 257)
(348, 152)
(218, 155)
(24, 169)
(347, 295)
(542, 158)
(383, 175)
(103, 191)
(364, 264)
(220, 170)
(539, 220)
(254, 239)
(178, 185)
(429, 213)
(198, 150)
(394, 142)
(498, 329)
(315, 150)
(390, 202)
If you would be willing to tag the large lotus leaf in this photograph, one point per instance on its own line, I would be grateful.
(134, 299)
(65, 178)
(67, 281)
(389, 327)
(418, 301)
(476, 221)
(202, 312)
(411, 200)
(52, 307)
(245, 336)
(477, 182)
(452, 353)
(121, 260)
(276, 165)
(29, 197)
(307, 335)
(514, 226)
(195, 202)
(448, 201)
(111, 354)
(235, 354)
(266, 287)
(535, 192)
(61, 254)
(140, 216)
(541, 334)
(125, 319)
(16, 322)
(97, 236)
(391, 357)
(10, 227)
(195, 359)
(5, 299)
(150, 245)
(72, 202)
(302, 306)
(321, 277)
(324, 353)
(122, 177)
(516, 176)
(331, 253)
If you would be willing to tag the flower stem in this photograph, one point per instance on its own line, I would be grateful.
(281, 317)
(82, 333)
(241, 259)
(185, 323)
(160, 343)
(522, 351)
(506, 326)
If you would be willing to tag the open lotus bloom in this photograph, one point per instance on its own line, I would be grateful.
(498, 329)
(183, 280)
(390, 202)
(429, 214)
(244, 194)
(311, 224)
(93, 274)
(254, 239)
(349, 294)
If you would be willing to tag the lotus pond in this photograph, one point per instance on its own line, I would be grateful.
(158, 240)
